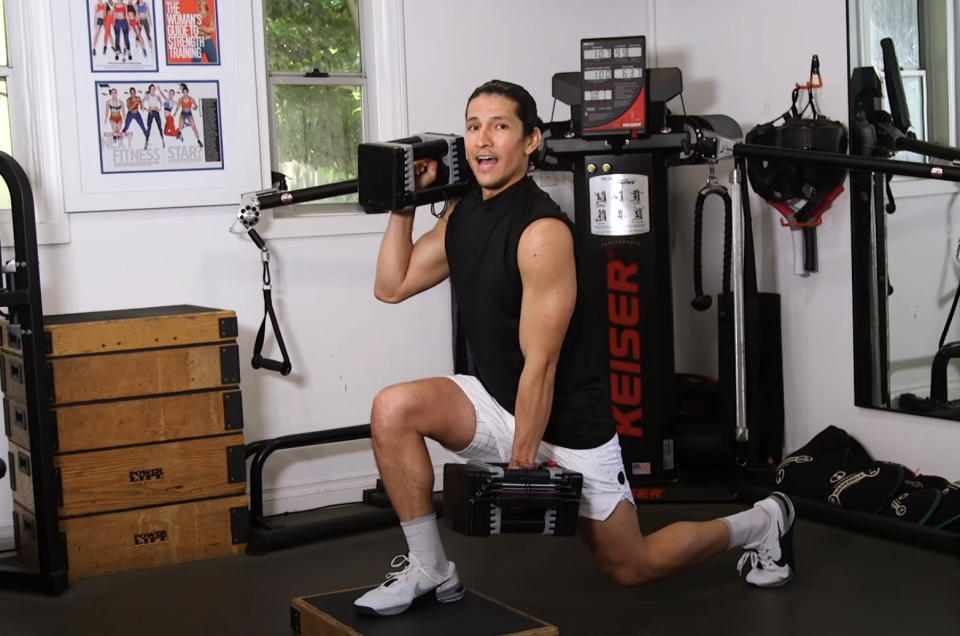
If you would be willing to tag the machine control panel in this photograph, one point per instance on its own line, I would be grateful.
(614, 82)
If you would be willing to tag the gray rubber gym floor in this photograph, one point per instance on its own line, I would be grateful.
(846, 584)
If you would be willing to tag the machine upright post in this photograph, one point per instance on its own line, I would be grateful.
(739, 307)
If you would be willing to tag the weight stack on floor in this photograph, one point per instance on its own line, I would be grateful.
(147, 428)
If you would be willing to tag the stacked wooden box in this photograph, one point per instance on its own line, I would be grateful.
(147, 429)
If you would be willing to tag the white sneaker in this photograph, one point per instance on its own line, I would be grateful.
(771, 558)
(415, 583)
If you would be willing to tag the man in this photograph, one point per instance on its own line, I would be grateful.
(540, 393)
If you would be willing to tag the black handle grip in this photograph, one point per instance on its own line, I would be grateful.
(283, 368)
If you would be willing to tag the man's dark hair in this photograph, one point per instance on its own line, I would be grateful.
(526, 105)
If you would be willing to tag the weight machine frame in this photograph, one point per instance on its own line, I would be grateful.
(21, 295)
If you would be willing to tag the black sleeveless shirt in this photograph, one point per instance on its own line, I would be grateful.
(482, 238)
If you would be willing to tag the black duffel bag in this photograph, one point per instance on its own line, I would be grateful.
(835, 468)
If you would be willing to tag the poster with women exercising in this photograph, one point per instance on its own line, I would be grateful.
(190, 28)
(159, 126)
(123, 36)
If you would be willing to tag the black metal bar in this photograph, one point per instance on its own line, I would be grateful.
(24, 301)
(864, 522)
(306, 195)
(29, 579)
(847, 162)
(13, 298)
(261, 450)
(926, 148)
(881, 285)
(267, 537)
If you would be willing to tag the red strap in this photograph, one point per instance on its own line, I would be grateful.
(789, 213)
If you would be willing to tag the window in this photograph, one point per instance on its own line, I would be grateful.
(6, 144)
(925, 37)
(29, 129)
(316, 92)
(899, 20)
(333, 75)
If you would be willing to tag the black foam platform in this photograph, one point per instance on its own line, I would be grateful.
(475, 614)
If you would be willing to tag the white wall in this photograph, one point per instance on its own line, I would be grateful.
(735, 63)
(346, 346)
(922, 247)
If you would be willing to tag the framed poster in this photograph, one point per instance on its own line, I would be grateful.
(124, 131)
(191, 29)
(122, 36)
(160, 126)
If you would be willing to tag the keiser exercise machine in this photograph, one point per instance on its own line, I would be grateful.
(20, 294)
(620, 145)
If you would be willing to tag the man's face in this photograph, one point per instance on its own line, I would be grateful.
(496, 146)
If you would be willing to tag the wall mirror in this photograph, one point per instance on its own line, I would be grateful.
(906, 230)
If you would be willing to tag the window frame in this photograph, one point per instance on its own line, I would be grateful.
(939, 28)
(383, 99)
(294, 78)
(31, 71)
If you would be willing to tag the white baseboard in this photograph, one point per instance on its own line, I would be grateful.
(296, 497)
(6, 539)
(329, 492)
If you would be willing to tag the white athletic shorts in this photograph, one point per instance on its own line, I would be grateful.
(605, 484)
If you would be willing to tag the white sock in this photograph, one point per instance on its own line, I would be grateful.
(423, 541)
(747, 527)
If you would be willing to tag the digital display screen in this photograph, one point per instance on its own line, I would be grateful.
(597, 54)
(614, 85)
(597, 96)
(625, 51)
(598, 74)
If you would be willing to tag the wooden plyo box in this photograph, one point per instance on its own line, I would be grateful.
(127, 422)
(475, 614)
(117, 479)
(146, 430)
(156, 351)
(145, 538)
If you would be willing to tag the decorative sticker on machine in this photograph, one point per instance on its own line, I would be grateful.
(668, 454)
(123, 36)
(619, 204)
(160, 126)
(191, 33)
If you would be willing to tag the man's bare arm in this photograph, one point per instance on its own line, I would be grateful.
(404, 268)
(549, 274)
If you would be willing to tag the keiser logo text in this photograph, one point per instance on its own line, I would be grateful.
(623, 313)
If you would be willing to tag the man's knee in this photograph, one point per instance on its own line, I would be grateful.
(630, 574)
(628, 571)
(392, 410)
